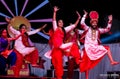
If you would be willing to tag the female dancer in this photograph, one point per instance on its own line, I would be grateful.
(7, 56)
(60, 48)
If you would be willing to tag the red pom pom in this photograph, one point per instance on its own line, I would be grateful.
(94, 15)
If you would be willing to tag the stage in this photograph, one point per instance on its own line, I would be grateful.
(25, 77)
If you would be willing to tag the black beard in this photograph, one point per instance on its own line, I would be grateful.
(94, 27)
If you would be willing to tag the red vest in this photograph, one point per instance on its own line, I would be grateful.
(25, 40)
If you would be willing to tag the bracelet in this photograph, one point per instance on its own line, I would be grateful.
(110, 21)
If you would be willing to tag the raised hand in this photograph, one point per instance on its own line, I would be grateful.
(85, 12)
(110, 17)
(43, 26)
(78, 14)
(7, 19)
(56, 8)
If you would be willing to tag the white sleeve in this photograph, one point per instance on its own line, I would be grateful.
(33, 32)
(14, 31)
(69, 28)
(83, 25)
(104, 30)
(54, 25)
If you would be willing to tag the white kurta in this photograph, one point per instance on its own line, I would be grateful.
(93, 49)
(19, 46)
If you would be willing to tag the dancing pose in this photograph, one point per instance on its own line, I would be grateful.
(7, 56)
(23, 48)
(50, 33)
(72, 36)
(60, 48)
(93, 50)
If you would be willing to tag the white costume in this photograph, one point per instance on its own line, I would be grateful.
(19, 46)
(93, 49)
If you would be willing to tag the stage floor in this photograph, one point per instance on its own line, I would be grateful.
(25, 77)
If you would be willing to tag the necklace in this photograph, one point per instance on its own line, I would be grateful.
(93, 34)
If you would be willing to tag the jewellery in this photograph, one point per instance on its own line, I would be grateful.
(93, 34)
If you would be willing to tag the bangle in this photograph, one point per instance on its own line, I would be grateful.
(110, 21)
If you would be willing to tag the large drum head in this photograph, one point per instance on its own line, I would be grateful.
(17, 21)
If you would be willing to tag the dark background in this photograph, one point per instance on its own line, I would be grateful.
(67, 12)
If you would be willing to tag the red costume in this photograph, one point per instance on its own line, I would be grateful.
(32, 57)
(61, 48)
(71, 36)
(58, 53)
(51, 35)
(93, 50)
(24, 49)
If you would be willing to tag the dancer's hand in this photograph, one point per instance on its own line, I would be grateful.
(85, 12)
(7, 19)
(56, 8)
(110, 17)
(78, 14)
(43, 26)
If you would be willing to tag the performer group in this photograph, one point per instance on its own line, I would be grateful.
(64, 41)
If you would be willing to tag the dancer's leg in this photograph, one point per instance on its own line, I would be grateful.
(113, 62)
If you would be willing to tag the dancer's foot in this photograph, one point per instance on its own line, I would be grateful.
(114, 63)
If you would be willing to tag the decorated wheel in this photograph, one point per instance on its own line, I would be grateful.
(17, 21)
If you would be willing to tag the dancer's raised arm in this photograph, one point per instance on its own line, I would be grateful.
(71, 27)
(83, 25)
(54, 18)
(37, 30)
(107, 29)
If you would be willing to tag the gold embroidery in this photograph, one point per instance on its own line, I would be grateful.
(93, 34)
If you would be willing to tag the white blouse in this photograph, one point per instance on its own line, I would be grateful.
(19, 46)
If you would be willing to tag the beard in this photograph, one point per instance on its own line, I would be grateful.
(94, 26)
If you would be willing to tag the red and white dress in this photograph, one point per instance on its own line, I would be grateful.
(93, 51)
(60, 48)
(24, 50)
